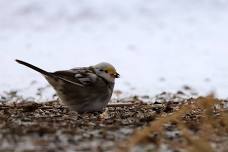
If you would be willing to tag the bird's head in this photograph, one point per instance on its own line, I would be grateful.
(106, 71)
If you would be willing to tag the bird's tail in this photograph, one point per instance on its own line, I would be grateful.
(33, 67)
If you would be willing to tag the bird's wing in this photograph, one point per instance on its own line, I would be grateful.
(81, 76)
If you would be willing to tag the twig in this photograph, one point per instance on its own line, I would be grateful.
(120, 104)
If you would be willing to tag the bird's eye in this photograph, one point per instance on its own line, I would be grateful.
(106, 71)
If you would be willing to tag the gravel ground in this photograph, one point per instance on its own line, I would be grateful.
(29, 126)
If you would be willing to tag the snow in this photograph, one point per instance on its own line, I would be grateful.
(156, 45)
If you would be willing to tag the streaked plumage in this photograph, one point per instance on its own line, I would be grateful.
(86, 89)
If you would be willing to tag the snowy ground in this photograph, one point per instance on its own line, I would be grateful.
(156, 45)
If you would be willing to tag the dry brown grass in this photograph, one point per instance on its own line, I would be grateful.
(211, 121)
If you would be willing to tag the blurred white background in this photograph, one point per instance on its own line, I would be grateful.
(156, 45)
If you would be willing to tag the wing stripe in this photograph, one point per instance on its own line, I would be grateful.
(70, 81)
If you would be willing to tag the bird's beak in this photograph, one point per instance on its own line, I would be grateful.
(117, 75)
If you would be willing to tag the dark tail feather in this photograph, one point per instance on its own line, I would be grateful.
(33, 67)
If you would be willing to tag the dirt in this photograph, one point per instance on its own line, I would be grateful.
(29, 126)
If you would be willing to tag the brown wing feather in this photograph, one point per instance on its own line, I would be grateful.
(79, 76)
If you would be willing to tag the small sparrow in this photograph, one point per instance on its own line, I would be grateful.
(85, 89)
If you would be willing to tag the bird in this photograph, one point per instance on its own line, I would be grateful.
(82, 89)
